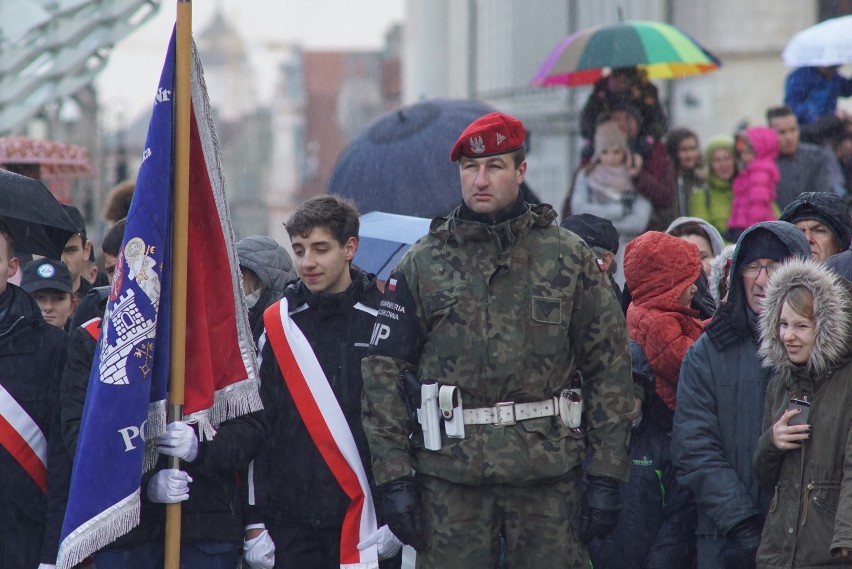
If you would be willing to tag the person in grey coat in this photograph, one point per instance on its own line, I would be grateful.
(267, 269)
(720, 396)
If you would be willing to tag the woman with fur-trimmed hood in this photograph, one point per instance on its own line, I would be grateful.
(806, 327)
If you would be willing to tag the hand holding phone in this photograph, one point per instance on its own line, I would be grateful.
(804, 407)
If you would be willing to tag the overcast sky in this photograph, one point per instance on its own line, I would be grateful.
(130, 78)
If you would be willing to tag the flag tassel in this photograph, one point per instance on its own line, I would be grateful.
(101, 530)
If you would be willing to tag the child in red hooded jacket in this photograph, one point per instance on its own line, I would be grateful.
(754, 186)
(661, 271)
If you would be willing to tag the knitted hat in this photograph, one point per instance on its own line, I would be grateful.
(607, 135)
(762, 244)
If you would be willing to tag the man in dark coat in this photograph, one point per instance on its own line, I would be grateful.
(32, 354)
(300, 502)
(803, 167)
(720, 402)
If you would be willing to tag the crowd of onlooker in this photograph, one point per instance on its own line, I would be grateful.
(632, 158)
(732, 263)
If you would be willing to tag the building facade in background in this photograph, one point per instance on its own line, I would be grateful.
(281, 150)
(490, 49)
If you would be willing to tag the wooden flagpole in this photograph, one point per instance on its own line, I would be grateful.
(180, 231)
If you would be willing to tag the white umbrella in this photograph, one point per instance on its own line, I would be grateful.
(822, 45)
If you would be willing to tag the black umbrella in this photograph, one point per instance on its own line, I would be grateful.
(37, 222)
(401, 163)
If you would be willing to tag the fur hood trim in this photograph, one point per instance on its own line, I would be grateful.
(832, 304)
(719, 273)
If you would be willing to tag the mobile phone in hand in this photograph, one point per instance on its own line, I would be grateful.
(804, 407)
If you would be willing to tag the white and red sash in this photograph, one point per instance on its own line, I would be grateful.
(324, 419)
(93, 327)
(23, 439)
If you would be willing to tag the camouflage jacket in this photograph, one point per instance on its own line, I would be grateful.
(506, 312)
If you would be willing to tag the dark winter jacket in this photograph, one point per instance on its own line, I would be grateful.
(32, 355)
(810, 516)
(274, 268)
(805, 171)
(78, 365)
(841, 263)
(214, 511)
(720, 403)
(294, 485)
(657, 522)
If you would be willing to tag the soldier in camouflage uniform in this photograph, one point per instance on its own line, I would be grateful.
(503, 303)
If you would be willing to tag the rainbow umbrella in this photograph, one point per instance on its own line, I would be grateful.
(662, 50)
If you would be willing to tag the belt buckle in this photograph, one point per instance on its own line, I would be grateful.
(498, 418)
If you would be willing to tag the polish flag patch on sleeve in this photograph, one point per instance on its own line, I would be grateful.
(392, 285)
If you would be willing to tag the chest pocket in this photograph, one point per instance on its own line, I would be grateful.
(34, 398)
(27, 391)
(454, 318)
(543, 315)
(546, 310)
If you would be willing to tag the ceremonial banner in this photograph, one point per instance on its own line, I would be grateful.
(329, 430)
(125, 403)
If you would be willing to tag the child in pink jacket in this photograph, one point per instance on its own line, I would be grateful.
(754, 186)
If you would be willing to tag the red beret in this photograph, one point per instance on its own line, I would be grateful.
(493, 134)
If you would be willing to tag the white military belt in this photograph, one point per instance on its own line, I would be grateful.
(509, 412)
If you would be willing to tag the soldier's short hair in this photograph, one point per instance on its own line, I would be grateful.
(335, 213)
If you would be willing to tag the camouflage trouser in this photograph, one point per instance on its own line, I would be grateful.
(539, 522)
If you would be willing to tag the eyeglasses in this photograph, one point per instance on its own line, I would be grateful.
(752, 271)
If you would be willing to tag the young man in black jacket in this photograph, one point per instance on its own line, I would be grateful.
(334, 305)
(32, 355)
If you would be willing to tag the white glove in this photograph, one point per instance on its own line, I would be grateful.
(169, 486)
(260, 552)
(178, 440)
(386, 542)
(46, 566)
